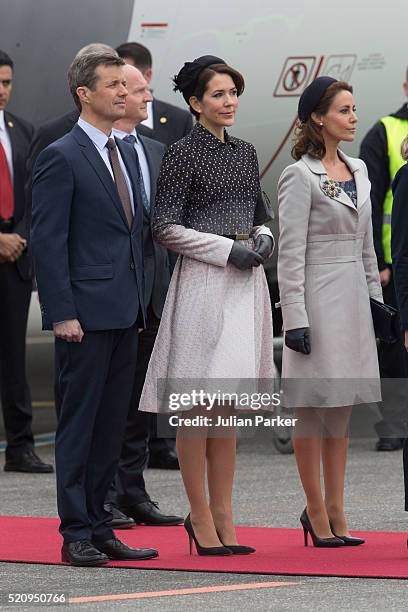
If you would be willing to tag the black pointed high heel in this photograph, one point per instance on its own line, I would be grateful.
(317, 542)
(348, 540)
(202, 550)
(237, 549)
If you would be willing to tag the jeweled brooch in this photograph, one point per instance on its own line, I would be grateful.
(331, 188)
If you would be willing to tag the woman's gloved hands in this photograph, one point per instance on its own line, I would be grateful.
(243, 258)
(298, 340)
(263, 245)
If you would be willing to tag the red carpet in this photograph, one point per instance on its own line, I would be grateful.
(279, 551)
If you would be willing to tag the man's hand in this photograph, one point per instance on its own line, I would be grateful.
(71, 330)
(406, 340)
(11, 247)
(385, 277)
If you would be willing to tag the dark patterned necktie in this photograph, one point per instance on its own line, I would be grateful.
(6, 187)
(145, 200)
(120, 180)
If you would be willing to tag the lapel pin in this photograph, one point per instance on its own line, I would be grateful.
(10, 124)
(163, 119)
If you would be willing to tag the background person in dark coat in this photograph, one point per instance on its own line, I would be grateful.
(168, 124)
(15, 284)
(129, 491)
(380, 149)
(399, 250)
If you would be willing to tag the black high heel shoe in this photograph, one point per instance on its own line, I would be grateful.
(317, 542)
(348, 540)
(201, 550)
(237, 549)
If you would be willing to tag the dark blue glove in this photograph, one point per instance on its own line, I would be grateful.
(298, 340)
(243, 258)
(263, 245)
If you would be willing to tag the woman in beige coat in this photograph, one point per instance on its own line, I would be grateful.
(327, 271)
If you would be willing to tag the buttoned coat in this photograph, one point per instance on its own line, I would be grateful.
(327, 271)
(216, 329)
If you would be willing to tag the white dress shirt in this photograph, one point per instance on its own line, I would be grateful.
(144, 164)
(100, 140)
(6, 142)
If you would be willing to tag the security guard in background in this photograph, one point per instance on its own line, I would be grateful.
(15, 284)
(381, 151)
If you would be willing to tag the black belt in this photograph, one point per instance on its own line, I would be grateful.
(6, 225)
(237, 236)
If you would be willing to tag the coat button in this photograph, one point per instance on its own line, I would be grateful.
(132, 266)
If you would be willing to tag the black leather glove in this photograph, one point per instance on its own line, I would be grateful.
(243, 258)
(298, 340)
(263, 245)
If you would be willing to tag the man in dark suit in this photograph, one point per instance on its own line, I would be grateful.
(130, 493)
(15, 284)
(87, 233)
(168, 122)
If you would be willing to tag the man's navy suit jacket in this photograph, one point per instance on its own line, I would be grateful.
(88, 262)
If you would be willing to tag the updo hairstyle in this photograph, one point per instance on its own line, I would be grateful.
(308, 135)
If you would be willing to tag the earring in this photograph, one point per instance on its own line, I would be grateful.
(321, 124)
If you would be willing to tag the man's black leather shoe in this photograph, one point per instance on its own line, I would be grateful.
(82, 552)
(148, 513)
(164, 460)
(115, 549)
(119, 520)
(389, 444)
(29, 462)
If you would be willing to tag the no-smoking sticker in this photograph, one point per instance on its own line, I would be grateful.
(295, 76)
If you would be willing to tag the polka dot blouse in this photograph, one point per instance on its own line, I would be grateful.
(209, 185)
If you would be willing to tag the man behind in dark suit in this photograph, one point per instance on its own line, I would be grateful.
(131, 494)
(168, 122)
(15, 284)
(87, 244)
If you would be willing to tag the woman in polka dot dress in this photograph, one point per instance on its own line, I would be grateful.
(216, 333)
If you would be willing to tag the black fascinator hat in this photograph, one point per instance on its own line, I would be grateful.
(186, 80)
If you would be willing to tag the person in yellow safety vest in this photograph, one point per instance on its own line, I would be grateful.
(381, 151)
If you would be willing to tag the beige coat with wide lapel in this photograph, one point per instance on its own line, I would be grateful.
(327, 270)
